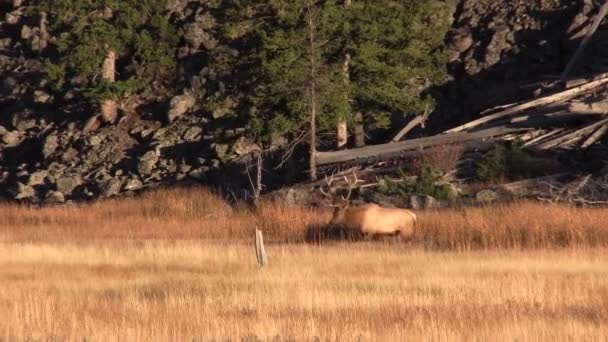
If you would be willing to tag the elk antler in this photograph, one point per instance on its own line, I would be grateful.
(328, 182)
(351, 185)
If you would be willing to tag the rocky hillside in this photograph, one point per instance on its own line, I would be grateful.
(52, 152)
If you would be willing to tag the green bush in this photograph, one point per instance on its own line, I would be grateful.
(502, 162)
(427, 182)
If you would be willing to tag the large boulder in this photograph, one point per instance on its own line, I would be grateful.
(180, 105)
(419, 202)
(486, 196)
(12, 138)
(111, 187)
(147, 162)
(22, 191)
(244, 146)
(66, 185)
(50, 145)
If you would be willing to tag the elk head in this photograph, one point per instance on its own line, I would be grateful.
(340, 205)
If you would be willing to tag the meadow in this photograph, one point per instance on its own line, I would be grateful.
(177, 265)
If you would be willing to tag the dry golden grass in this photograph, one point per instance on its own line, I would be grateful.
(200, 291)
(179, 265)
(200, 214)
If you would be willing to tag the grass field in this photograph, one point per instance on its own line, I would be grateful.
(180, 266)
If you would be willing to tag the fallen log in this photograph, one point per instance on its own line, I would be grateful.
(600, 107)
(572, 135)
(399, 148)
(561, 96)
(597, 135)
(543, 137)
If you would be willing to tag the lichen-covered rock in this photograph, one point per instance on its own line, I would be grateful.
(244, 146)
(180, 105)
(66, 185)
(21, 191)
(50, 145)
(147, 162)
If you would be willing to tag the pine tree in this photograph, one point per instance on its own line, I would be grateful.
(93, 36)
(292, 73)
(396, 50)
(297, 68)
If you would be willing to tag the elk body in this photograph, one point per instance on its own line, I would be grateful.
(371, 219)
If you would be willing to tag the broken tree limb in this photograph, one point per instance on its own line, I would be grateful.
(543, 137)
(561, 96)
(600, 107)
(597, 135)
(413, 123)
(398, 148)
(596, 23)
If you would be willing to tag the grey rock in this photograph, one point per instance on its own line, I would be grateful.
(66, 185)
(13, 18)
(146, 132)
(180, 105)
(55, 197)
(221, 112)
(12, 138)
(196, 36)
(215, 163)
(70, 155)
(5, 43)
(92, 124)
(198, 174)
(486, 196)
(147, 162)
(38, 177)
(41, 96)
(23, 120)
(418, 202)
(22, 191)
(50, 145)
(192, 133)
(244, 146)
(295, 196)
(386, 201)
(133, 184)
(221, 150)
(111, 187)
(94, 140)
(159, 133)
(26, 32)
(184, 168)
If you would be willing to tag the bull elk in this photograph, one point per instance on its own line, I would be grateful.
(370, 218)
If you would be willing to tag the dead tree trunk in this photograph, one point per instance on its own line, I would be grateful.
(312, 92)
(43, 42)
(109, 107)
(342, 126)
(359, 130)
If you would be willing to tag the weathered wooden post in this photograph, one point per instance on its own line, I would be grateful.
(260, 251)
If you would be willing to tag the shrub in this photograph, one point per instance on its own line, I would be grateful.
(427, 182)
(502, 162)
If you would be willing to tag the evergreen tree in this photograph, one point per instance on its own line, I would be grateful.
(291, 68)
(396, 50)
(95, 36)
(303, 66)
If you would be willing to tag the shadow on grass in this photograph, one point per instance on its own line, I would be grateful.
(328, 233)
